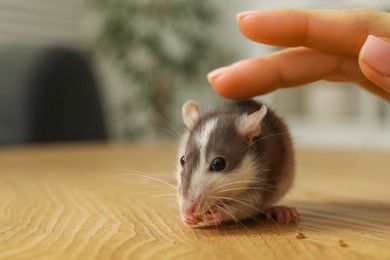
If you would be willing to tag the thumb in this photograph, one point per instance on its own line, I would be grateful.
(374, 61)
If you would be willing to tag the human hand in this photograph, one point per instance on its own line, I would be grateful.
(334, 45)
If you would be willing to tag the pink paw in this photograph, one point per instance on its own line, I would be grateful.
(213, 217)
(282, 214)
(191, 220)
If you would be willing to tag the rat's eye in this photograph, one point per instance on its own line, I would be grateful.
(218, 164)
(182, 160)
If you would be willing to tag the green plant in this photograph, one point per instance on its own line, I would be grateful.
(159, 45)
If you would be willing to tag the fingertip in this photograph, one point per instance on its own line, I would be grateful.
(222, 89)
(374, 61)
(226, 80)
(274, 27)
(229, 86)
(243, 79)
(213, 77)
(232, 87)
(376, 53)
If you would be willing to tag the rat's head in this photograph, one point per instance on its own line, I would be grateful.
(216, 170)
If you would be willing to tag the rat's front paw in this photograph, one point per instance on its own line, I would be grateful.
(213, 216)
(282, 214)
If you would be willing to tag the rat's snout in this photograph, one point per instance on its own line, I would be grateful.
(194, 204)
(196, 214)
(192, 209)
(191, 219)
(198, 209)
(189, 215)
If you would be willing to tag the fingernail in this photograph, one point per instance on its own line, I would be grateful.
(376, 53)
(212, 75)
(245, 14)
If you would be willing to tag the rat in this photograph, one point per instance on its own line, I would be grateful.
(234, 164)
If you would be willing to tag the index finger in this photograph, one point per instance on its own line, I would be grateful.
(341, 32)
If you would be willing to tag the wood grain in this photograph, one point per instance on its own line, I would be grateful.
(88, 201)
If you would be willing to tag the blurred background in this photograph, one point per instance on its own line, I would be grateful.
(120, 70)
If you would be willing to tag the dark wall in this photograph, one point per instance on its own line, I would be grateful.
(48, 95)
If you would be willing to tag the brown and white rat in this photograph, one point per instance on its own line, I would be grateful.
(234, 163)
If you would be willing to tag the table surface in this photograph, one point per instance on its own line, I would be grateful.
(89, 201)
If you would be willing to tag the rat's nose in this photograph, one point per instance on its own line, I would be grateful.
(191, 209)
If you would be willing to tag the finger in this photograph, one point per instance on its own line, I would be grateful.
(286, 68)
(374, 89)
(335, 31)
(362, 80)
(374, 61)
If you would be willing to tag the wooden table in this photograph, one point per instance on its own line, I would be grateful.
(87, 201)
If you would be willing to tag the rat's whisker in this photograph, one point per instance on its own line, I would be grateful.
(152, 193)
(237, 201)
(261, 139)
(234, 218)
(141, 174)
(168, 123)
(233, 183)
(227, 207)
(242, 188)
(174, 134)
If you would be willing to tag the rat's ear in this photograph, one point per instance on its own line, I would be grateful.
(249, 126)
(191, 113)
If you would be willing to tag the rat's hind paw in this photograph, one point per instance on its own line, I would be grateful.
(282, 214)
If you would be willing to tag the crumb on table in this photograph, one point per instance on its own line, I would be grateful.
(342, 243)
